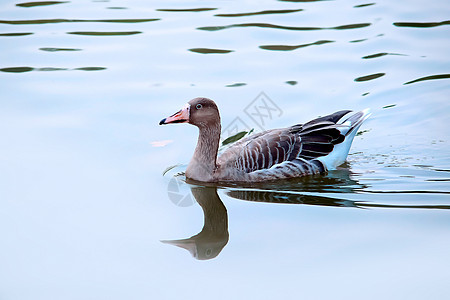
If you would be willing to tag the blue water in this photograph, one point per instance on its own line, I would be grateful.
(84, 204)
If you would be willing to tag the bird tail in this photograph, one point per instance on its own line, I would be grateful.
(348, 125)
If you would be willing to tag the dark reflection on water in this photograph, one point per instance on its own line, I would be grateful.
(186, 9)
(267, 25)
(16, 34)
(358, 41)
(29, 69)
(364, 5)
(376, 55)
(290, 48)
(105, 33)
(264, 12)
(53, 21)
(432, 77)
(238, 84)
(210, 51)
(337, 181)
(421, 24)
(49, 49)
(214, 235)
(302, 0)
(40, 3)
(369, 77)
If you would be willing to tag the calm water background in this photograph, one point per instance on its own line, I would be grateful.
(83, 202)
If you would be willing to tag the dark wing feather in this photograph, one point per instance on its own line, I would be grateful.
(320, 135)
(267, 150)
(308, 141)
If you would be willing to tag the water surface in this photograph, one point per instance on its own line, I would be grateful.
(86, 212)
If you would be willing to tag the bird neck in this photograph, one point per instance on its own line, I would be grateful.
(203, 162)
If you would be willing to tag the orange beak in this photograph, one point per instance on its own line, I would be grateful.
(181, 116)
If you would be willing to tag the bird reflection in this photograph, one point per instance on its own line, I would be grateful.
(214, 235)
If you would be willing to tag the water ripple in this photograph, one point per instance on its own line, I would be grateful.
(105, 33)
(431, 77)
(210, 51)
(290, 48)
(302, 0)
(238, 84)
(421, 24)
(58, 49)
(40, 3)
(267, 25)
(364, 5)
(46, 69)
(53, 21)
(369, 77)
(186, 9)
(16, 34)
(381, 54)
(264, 12)
(283, 197)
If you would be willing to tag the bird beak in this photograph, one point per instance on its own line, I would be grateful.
(181, 116)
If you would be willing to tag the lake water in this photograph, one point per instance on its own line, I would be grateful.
(86, 212)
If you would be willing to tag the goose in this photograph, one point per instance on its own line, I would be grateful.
(305, 149)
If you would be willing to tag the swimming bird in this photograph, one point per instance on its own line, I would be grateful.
(315, 147)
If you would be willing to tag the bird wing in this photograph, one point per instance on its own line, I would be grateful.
(269, 148)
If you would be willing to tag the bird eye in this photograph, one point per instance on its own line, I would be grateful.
(199, 106)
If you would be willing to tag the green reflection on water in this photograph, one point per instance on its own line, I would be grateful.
(421, 24)
(58, 49)
(290, 48)
(264, 12)
(267, 25)
(236, 84)
(105, 33)
(17, 69)
(186, 9)
(432, 77)
(53, 21)
(369, 77)
(46, 69)
(16, 34)
(210, 51)
(40, 3)
(381, 54)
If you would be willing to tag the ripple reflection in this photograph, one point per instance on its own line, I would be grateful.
(290, 48)
(49, 49)
(432, 77)
(264, 12)
(210, 51)
(421, 24)
(186, 9)
(105, 33)
(364, 5)
(56, 21)
(46, 69)
(268, 25)
(381, 54)
(369, 77)
(214, 236)
(40, 3)
(16, 34)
